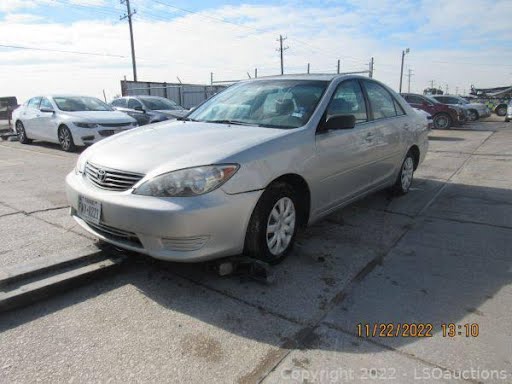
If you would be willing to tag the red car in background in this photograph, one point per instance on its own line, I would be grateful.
(443, 116)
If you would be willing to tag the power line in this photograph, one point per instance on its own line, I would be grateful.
(61, 51)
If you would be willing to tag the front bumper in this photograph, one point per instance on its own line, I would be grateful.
(88, 136)
(183, 229)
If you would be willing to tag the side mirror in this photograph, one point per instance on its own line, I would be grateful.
(340, 122)
(48, 110)
(139, 108)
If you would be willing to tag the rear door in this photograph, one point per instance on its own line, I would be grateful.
(28, 117)
(391, 125)
(136, 110)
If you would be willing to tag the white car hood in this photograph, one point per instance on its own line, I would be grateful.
(99, 116)
(167, 146)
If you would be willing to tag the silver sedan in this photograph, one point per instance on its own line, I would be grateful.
(247, 168)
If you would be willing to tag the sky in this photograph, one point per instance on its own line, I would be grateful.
(453, 43)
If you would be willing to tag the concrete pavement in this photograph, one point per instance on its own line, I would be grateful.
(438, 255)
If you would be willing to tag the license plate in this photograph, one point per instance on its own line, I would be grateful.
(89, 210)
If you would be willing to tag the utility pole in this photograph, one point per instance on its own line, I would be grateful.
(255, 73)
(432, 84)
(281, 49)
(339, 64)
(371, 68)
(211, 78)
(128, 16)
(308, 68)
(446, 88)
(456, 90)
(406, 51)
(409, 75)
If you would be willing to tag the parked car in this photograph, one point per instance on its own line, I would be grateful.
(443, 116)
(248, 167)
(149, 109)
(508, 116)
(475, 110)
(70, 121)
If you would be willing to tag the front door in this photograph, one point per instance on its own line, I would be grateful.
(344, 157)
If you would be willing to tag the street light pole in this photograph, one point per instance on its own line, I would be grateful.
(406, 51)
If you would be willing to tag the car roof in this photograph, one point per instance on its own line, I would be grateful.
(305, 76)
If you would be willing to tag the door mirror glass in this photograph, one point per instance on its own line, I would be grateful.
(340, 122)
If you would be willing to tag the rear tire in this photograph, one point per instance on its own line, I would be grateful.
(66, 139)
(273, 225)
(22, 135)
(405, 177)
(442, 121)
(501, 110)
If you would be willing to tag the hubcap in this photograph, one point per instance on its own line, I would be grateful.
(64, 138)
(280, 225)
(442, 122)
(407, 172)
(472, 115)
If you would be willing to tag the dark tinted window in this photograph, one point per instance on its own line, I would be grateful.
(413, 99)
(348, 100)
(121, 103)
(381, 101)
(133, 104)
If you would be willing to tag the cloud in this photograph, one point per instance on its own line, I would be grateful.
(16, 18)
(170, 44)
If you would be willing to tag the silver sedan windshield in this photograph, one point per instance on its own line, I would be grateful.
(265, 103)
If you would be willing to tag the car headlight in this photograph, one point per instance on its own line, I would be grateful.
(80, 165)
(86, 125)
(188, 182)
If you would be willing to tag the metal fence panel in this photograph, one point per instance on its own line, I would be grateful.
(187, 95)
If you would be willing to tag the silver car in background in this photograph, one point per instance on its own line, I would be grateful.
(70, 121)
(247, 168)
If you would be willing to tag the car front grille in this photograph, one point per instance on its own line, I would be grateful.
(110, 179)
(115, 125)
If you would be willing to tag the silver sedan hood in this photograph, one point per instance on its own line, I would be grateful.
(167, 146)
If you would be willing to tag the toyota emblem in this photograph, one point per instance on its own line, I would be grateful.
(101, 175)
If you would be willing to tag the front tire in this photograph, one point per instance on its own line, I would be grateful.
(273, 225)
(404, 180)
(66, 139)
(22, 134)
(442, 121)
(473, 115)
(501, 110)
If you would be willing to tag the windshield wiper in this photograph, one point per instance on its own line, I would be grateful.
(183, 118)
(232, 122)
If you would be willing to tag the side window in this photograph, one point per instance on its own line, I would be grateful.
(348, 99)
(34, 102)
(381, 101)
(45, 103)
(398, 108)
(121, 103)
(133, 104)
(415, 99)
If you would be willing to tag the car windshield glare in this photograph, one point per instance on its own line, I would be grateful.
(156, 104)
(80, 104)
(264, 103)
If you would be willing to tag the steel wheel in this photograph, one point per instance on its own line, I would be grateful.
(281, 225)
(66, 140)
(22, 135)
(407, 173)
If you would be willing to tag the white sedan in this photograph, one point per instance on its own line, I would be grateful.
(70, 121)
